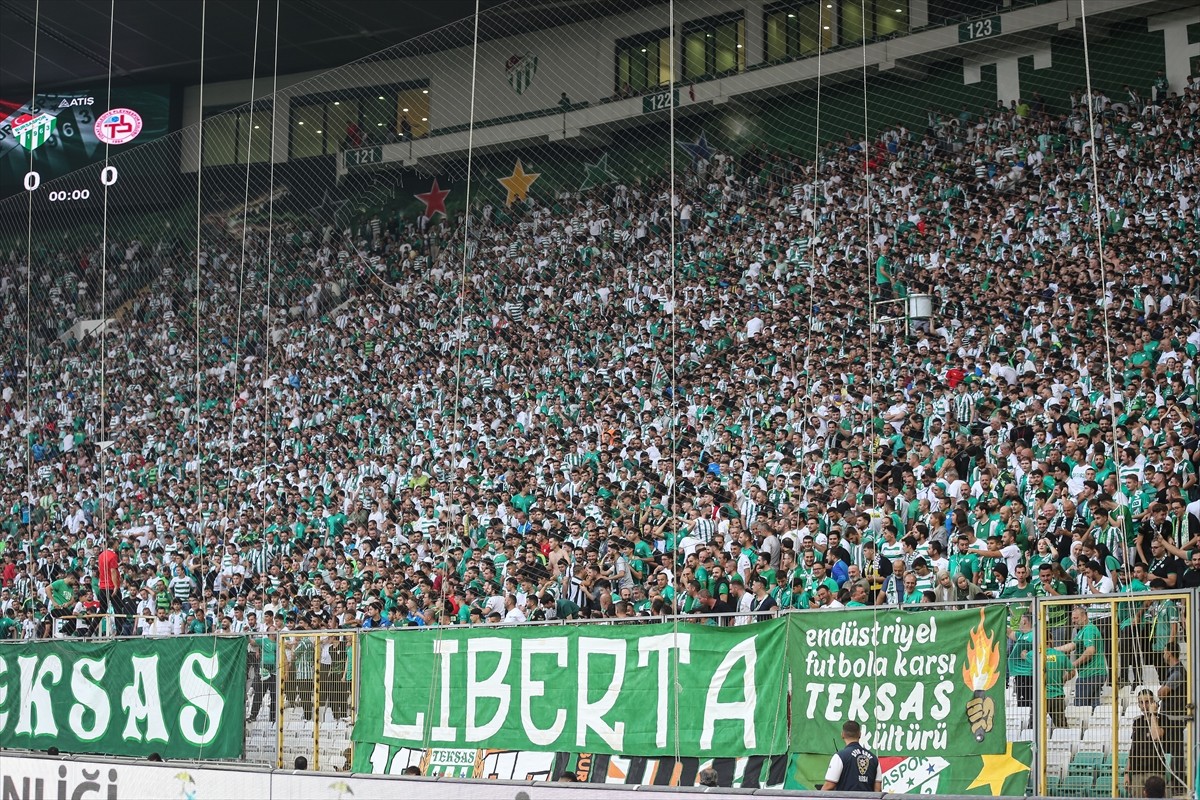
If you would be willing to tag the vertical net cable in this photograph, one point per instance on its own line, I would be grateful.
(1107, 295)
(671, 488)
(817, 191)
(1106, 298)
(101, 504)
(29, 428)
(196, 422)
(874, 443)
(237, 339)
(460, 343)
(268, 384)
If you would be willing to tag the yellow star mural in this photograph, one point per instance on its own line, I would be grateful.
(995, 769)
(518, 183)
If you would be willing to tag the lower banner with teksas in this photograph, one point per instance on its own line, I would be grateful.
(179, 697)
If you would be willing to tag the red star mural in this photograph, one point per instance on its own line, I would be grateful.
(434, 200)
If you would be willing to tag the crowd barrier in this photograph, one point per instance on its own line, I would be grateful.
(41, 776)
(1096, 694)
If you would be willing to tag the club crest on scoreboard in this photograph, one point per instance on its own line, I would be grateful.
(34, 131)
(118, 126)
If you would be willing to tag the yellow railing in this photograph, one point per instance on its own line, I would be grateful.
(317, 697)
(1114, 701)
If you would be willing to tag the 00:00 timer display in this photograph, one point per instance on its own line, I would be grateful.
(74, 194)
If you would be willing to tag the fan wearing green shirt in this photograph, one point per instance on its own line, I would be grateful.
(1055, 664)
(782, 590)
(266, 681)
(883, 274)
(1088, 659)
(8, 623)
(62, 597)
(1132, 632)
(1057, 629)
(1017, 588)
(1020, 660)
(561, 607)
(963, 557)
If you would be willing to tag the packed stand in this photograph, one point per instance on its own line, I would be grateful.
(560, 438)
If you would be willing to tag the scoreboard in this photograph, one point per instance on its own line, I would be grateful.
(65, 132)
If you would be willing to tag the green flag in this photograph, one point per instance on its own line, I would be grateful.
(643, 689)
(918, 681)
(178, 697)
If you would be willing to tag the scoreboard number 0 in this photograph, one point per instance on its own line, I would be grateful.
(108, 177)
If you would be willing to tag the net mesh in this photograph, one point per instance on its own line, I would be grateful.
(664, 282)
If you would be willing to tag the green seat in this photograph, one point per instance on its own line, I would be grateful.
(1077, 786)
(1086, 762)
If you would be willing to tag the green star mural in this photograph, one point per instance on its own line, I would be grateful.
(597, 174)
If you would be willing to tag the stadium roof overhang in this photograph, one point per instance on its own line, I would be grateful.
(158, 41)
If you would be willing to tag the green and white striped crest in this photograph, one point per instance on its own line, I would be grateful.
(520, 71)
(33, 132)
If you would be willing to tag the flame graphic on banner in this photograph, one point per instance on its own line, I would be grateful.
(980, 674)
(983, 659)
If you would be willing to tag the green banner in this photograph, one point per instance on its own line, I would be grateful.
(181, 697)
(929, 682)
(646, 689)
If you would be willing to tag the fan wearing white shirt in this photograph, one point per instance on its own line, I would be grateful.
(159, 626)
(1092, 579)
(1009, 550)
(741, 600)
(513, 615)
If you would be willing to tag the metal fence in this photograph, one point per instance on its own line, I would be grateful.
(1101, 685)
(317, 697)
(1115, 700)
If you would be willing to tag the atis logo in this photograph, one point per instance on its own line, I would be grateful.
(520, 71)
(68, 102)
(118, 126)
(33, 132)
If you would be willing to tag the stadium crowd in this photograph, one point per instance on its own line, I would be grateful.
(561, 436)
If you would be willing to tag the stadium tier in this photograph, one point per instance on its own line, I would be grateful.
(854, 343)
